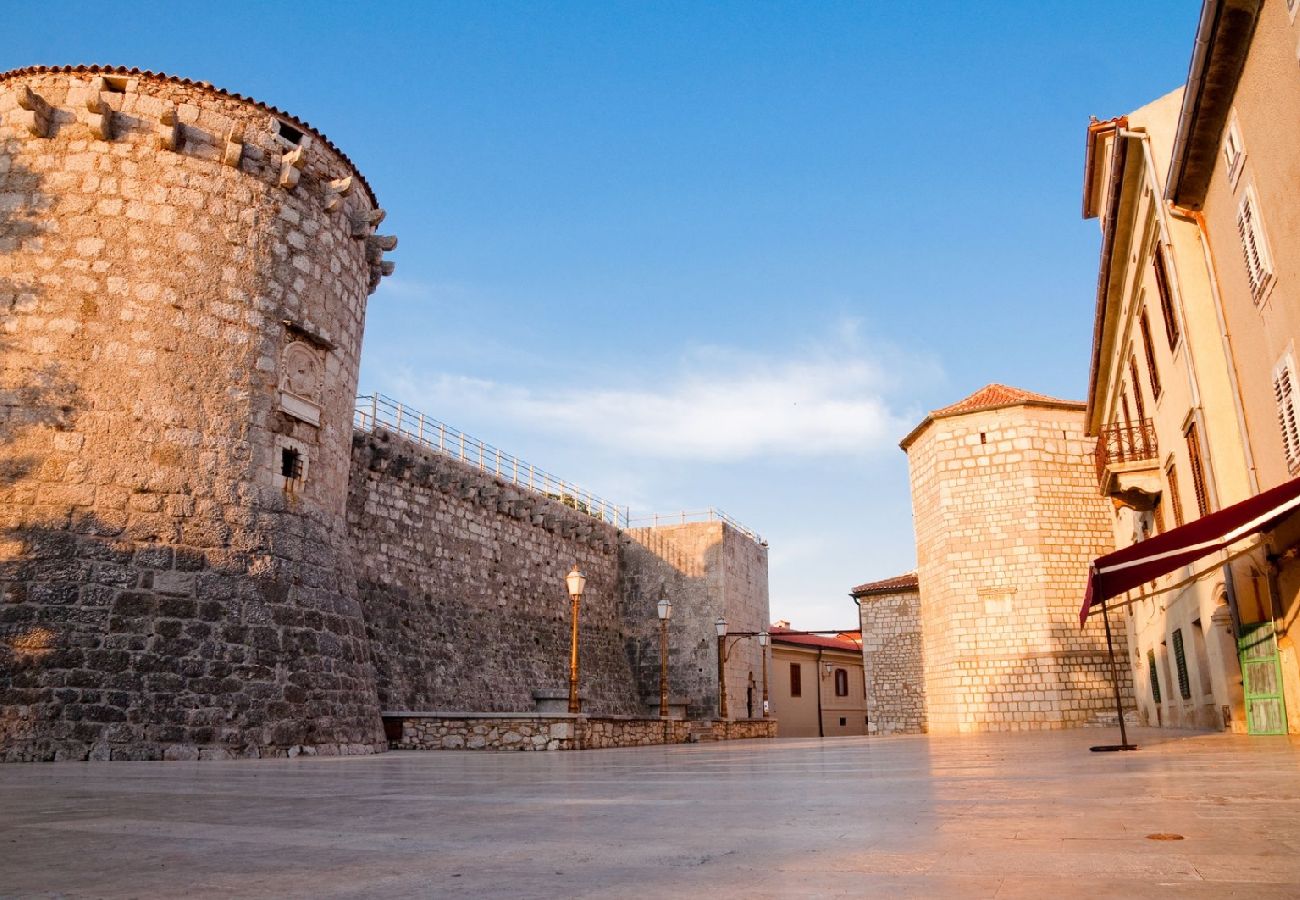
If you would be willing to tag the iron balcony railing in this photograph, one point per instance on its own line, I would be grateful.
(375, 411)
(1120, 444)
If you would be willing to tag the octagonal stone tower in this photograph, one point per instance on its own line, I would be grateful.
(1008, 519)
(183, 281)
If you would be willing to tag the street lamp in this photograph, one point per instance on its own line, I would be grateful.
(763, 638)
(665, 610)
(576, 582)
(721, 627)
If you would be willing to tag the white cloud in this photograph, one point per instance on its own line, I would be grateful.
(719, 404)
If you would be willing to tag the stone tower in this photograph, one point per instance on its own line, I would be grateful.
(1008, 519)
(183, 281)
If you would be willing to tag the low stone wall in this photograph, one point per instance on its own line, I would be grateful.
(531, 731)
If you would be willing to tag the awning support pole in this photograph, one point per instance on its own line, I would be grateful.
(1114, 674)
(1114, 678)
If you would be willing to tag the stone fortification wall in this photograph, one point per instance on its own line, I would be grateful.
(892, 655)
(707, 570)
(542, 732)
(1008, 519)
(183, 279)
(461, 576)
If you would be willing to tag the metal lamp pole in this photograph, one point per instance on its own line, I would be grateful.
(576, 582)
(665, 610)
(762, 649)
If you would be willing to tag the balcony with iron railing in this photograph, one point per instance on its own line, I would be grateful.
(1127, 456)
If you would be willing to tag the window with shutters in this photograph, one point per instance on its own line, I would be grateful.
(1195, 461)
(1250, 228)
(1137, 390)
(1180, 660)
(1166, 295)
(796, 680)
(841, 683)
(1175, 502)
(1144, 325)
(1284, 389)
(1234, 152)
(1155, 676)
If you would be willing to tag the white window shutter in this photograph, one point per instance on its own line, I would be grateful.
(1258, 266)
(1284, 387)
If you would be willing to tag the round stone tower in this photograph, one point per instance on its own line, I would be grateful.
(183, 282)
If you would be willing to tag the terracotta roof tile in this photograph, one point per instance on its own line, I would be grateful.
(895, 585)
(826, 642)
(991, 396)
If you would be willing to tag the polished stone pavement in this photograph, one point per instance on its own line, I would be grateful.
(1033, 815)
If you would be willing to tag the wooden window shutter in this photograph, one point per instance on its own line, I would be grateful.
(796, 680)
(1137, 389)
(1166, 296)
(1193, 437)
(1175, 501)
(1184, 683)
(1155, 675)
(1259, 269)
(1284, 388)
(1144, 325)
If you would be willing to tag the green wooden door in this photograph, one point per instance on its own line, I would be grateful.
(1265, 709)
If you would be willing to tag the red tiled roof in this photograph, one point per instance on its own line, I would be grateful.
(174, 79)
(826, 642)
(991, 396)
(895, 585)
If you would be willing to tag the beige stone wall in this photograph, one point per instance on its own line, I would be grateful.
(561, 733)
(461, 578)
(164, 590)
(1007, 521)
(893, 663)
(707, 570)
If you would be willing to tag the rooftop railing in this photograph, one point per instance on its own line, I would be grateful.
(684, 518)
(1121, 444)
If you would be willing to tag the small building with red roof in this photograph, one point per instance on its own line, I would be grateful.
(816, 686)
(890, 614)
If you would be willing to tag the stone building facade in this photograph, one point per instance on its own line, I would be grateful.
(198, 558)
(892, 654)
(708, 570)
(1008, 520)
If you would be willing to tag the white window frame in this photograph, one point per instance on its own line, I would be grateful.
(1285, 387)
(1254, 245)
(1234, 149)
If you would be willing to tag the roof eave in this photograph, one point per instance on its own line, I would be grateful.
(1222, 42)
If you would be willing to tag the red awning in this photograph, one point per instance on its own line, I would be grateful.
(1125, 569)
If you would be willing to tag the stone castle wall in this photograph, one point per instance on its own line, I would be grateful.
(707, 570)
(1008, 519)
(183, 280)
(892, 655)
(461, 578)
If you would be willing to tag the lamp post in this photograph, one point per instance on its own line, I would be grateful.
(721, 627)
(576, 582)
(665, 610)
(763, 638)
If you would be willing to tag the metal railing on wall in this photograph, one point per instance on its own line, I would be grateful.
(1119, 444)
(377, 412)
(704, 515)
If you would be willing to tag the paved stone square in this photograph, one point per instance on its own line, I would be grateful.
(1027, 815)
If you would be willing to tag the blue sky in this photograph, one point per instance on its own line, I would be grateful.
(700, 254)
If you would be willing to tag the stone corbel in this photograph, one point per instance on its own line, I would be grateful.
(33, 112)
(335, 191)
(99, 117)
(292, 164)
(377, 245)
(234, 148)
(169, 129)
(365, 223)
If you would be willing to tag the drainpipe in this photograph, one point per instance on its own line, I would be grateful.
(821, 729)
